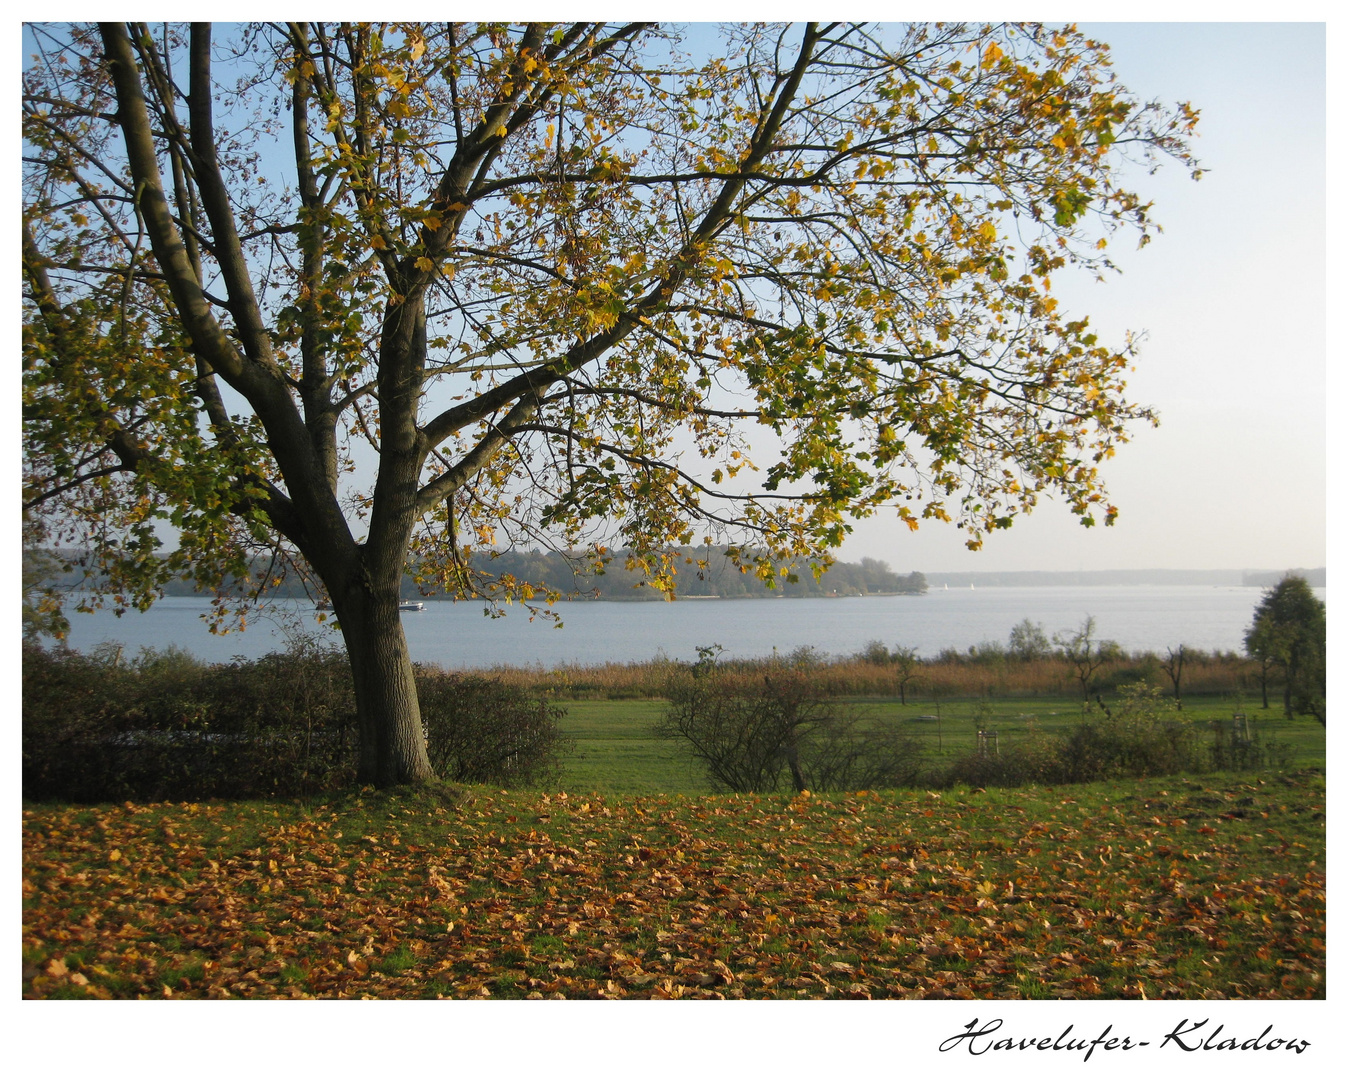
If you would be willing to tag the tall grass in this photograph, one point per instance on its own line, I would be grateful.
(982, 673)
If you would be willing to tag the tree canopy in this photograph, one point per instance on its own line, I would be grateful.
(1289, 632)
(371, 295)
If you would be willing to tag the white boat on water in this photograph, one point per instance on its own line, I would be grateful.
(403, 605)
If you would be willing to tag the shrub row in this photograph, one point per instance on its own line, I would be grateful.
(1142, 735)
(164, 725)
(764, 732)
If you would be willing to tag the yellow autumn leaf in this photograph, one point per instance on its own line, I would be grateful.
(377, 242)
(500, 131)
(424, 263)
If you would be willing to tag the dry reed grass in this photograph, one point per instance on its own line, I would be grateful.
(944, 677)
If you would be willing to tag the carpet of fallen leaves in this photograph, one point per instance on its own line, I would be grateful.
(1199, 888)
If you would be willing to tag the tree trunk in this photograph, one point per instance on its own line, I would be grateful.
(392, 743)
(793, 762)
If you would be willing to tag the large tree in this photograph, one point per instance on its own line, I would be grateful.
(557, 283)
(1289, 634)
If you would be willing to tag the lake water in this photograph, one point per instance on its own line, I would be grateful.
(458, 635)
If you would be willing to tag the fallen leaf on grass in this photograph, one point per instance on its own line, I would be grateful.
(469, 904)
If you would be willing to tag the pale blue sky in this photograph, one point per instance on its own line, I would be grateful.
(1232, 298)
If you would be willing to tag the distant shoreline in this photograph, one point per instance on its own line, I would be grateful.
(936, 582)
(642, 596)
(1030, 578)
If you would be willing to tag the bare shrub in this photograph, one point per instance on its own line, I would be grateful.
(755, 731)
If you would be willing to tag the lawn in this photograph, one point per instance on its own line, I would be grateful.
(616, 754)
(1206, 887)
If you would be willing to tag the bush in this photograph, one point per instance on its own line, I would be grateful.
(875, 652)
(1242, 747)
(282, 724)
(481, 730)
(1028, 641)
(165, 726)
(1033, 760)
(758, 731)
(1142, 735)
(71, 708)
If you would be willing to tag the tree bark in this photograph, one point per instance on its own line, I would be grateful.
(793, 762)
(388, 716)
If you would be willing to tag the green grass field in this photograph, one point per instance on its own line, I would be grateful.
(616, 754)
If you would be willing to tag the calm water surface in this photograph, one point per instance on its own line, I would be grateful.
(458, 635)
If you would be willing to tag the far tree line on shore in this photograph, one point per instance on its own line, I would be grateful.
(705, 572)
